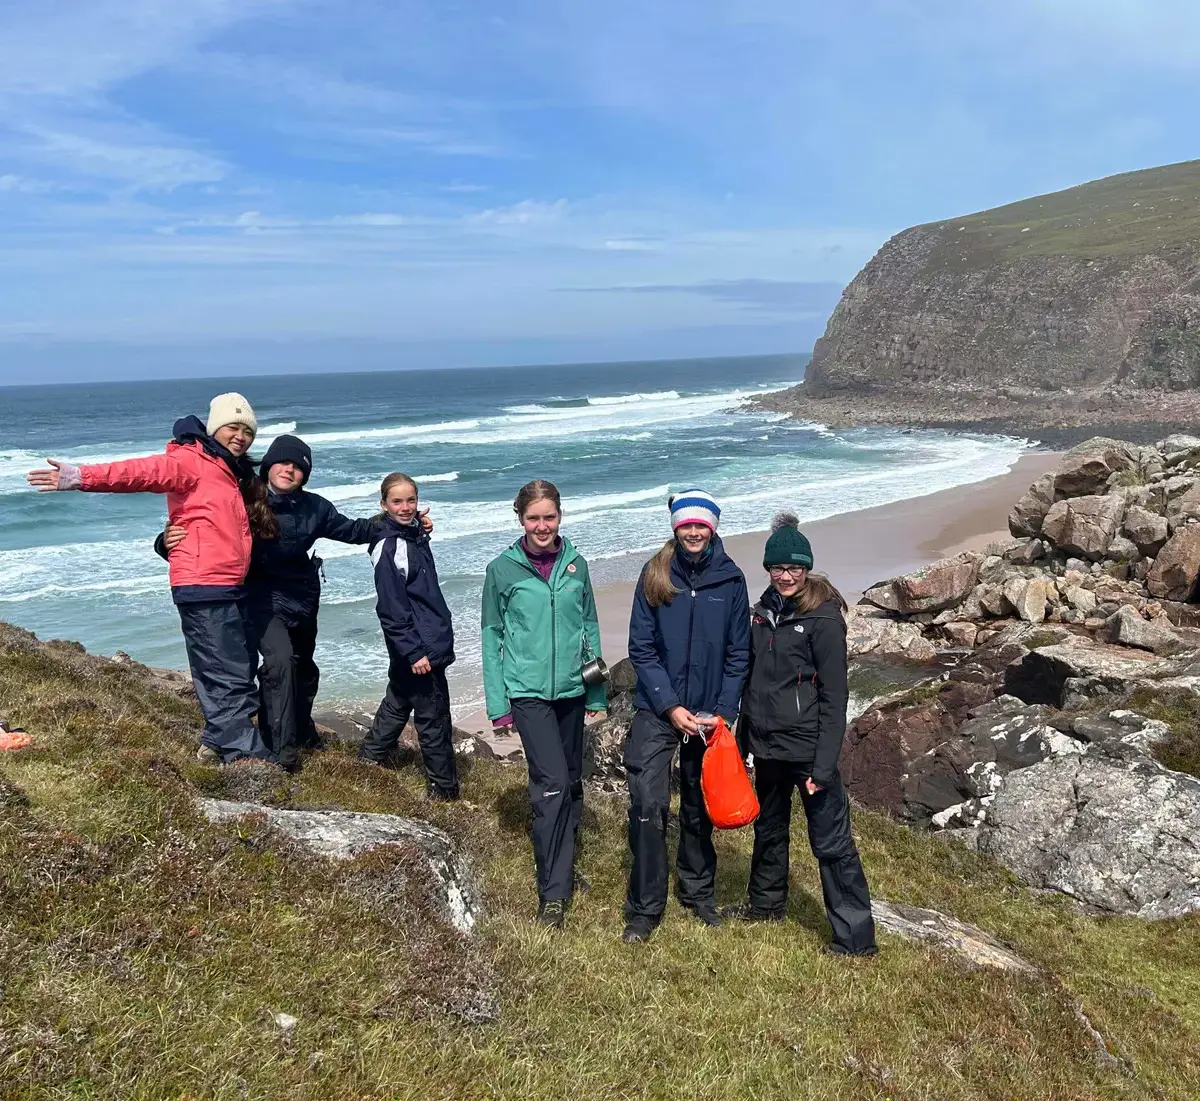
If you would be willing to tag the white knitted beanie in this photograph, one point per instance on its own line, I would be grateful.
(230, 408)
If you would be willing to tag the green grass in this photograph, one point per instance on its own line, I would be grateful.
(1116, 217)
(143, 951)
(1180, 711)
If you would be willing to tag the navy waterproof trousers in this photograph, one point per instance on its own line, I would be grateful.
(223, 665)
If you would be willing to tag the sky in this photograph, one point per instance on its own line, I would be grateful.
(193, 187)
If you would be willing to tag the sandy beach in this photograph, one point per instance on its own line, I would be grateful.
(855, 549)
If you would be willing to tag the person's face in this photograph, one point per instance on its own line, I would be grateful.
(235, 438)
(540, 521)
(401, 502)
(694, 538)
(788, 580)
(285, 477)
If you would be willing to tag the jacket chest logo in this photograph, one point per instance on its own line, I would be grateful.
(800, 629)
(571, 568)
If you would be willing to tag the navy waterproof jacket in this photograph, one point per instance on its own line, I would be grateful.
(694, 651)
(412, 611)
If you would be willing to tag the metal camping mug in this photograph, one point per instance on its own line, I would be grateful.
(595, 671)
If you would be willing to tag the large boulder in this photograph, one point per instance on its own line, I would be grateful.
(340, 835)
(604, 741)
(1087, 467)
(1031, 507)
(1049, 674)
(940, 585)
(873, 634)
(1085, 526)
(1121, 836)
(1145, 529)
(1173, 575)
(1029, 596)
(1128, 628)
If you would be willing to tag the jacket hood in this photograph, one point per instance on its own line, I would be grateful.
(191, 429)
(769, 602)
(385, 526)
(719, 567)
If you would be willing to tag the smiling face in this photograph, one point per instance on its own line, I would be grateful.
(787, 581)
(540, 520)
(235, 438)
(400, 503)
(285, 478)
(694, 538)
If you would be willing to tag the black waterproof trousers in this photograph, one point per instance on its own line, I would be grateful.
(843, 883)
(223, 666)
(288, 681)
(648, 753)
(426, 697)
(552, 737)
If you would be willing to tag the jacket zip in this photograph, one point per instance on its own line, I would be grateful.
(553, 622)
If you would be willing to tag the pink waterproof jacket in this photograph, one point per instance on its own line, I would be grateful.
(202, 496)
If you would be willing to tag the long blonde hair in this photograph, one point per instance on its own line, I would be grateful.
(657, 585)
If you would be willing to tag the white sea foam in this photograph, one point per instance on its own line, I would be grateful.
(270, 431)
(634, 399)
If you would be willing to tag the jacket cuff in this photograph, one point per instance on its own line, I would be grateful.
(825, 778)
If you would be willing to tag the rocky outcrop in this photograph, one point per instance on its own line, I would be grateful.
(929, 589)
(1121, 836)
(341, 835)
(969, 942)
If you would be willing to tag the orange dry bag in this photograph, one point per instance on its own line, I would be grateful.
(728, 794)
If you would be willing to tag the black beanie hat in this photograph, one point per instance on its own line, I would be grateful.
(287, 449)
(787, 545)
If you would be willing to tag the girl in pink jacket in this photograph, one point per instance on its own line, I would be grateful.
(214, 493)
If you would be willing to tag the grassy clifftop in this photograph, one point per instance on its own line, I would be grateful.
(144, 952)
(1129, 215)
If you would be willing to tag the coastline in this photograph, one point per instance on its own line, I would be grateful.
(855, 549)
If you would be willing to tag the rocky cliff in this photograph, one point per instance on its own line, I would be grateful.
(1078, 307)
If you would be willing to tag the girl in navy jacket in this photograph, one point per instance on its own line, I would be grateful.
(689, 642)
(420, 640)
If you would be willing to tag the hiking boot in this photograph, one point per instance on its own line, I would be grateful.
(743, 911)
(638, 930)
(552, 913)
(206, 755)
(839, 950)
(436, 794)
(706, 913)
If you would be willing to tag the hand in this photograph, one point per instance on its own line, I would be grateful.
(592, 716)
(426, 523)
(63, 476)
(420, 668)
(173, 535)
(683, 721)
(811, 787)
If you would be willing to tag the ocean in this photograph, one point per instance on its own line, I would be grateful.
(617, 439)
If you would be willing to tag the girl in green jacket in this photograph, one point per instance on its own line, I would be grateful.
(539, 628)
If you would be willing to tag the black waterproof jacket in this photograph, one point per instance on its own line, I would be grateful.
(693, 651)
(281, 570)
(794, 706)
(412, 611)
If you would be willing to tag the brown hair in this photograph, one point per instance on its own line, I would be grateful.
(396, 478)
(263, 522)
(818, 590)
(537, 490)
(657, 585)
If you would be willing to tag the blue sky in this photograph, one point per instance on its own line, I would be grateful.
(188, 186)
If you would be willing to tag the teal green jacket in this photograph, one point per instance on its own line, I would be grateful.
(534, 631)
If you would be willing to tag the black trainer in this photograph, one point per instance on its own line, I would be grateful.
(638, 930)
(436, 794)
(743, 911)
(706, 912)
(552, 913)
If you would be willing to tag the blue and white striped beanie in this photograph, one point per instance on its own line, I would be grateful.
(694, 506)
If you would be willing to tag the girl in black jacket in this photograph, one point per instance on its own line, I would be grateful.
(792, 722)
